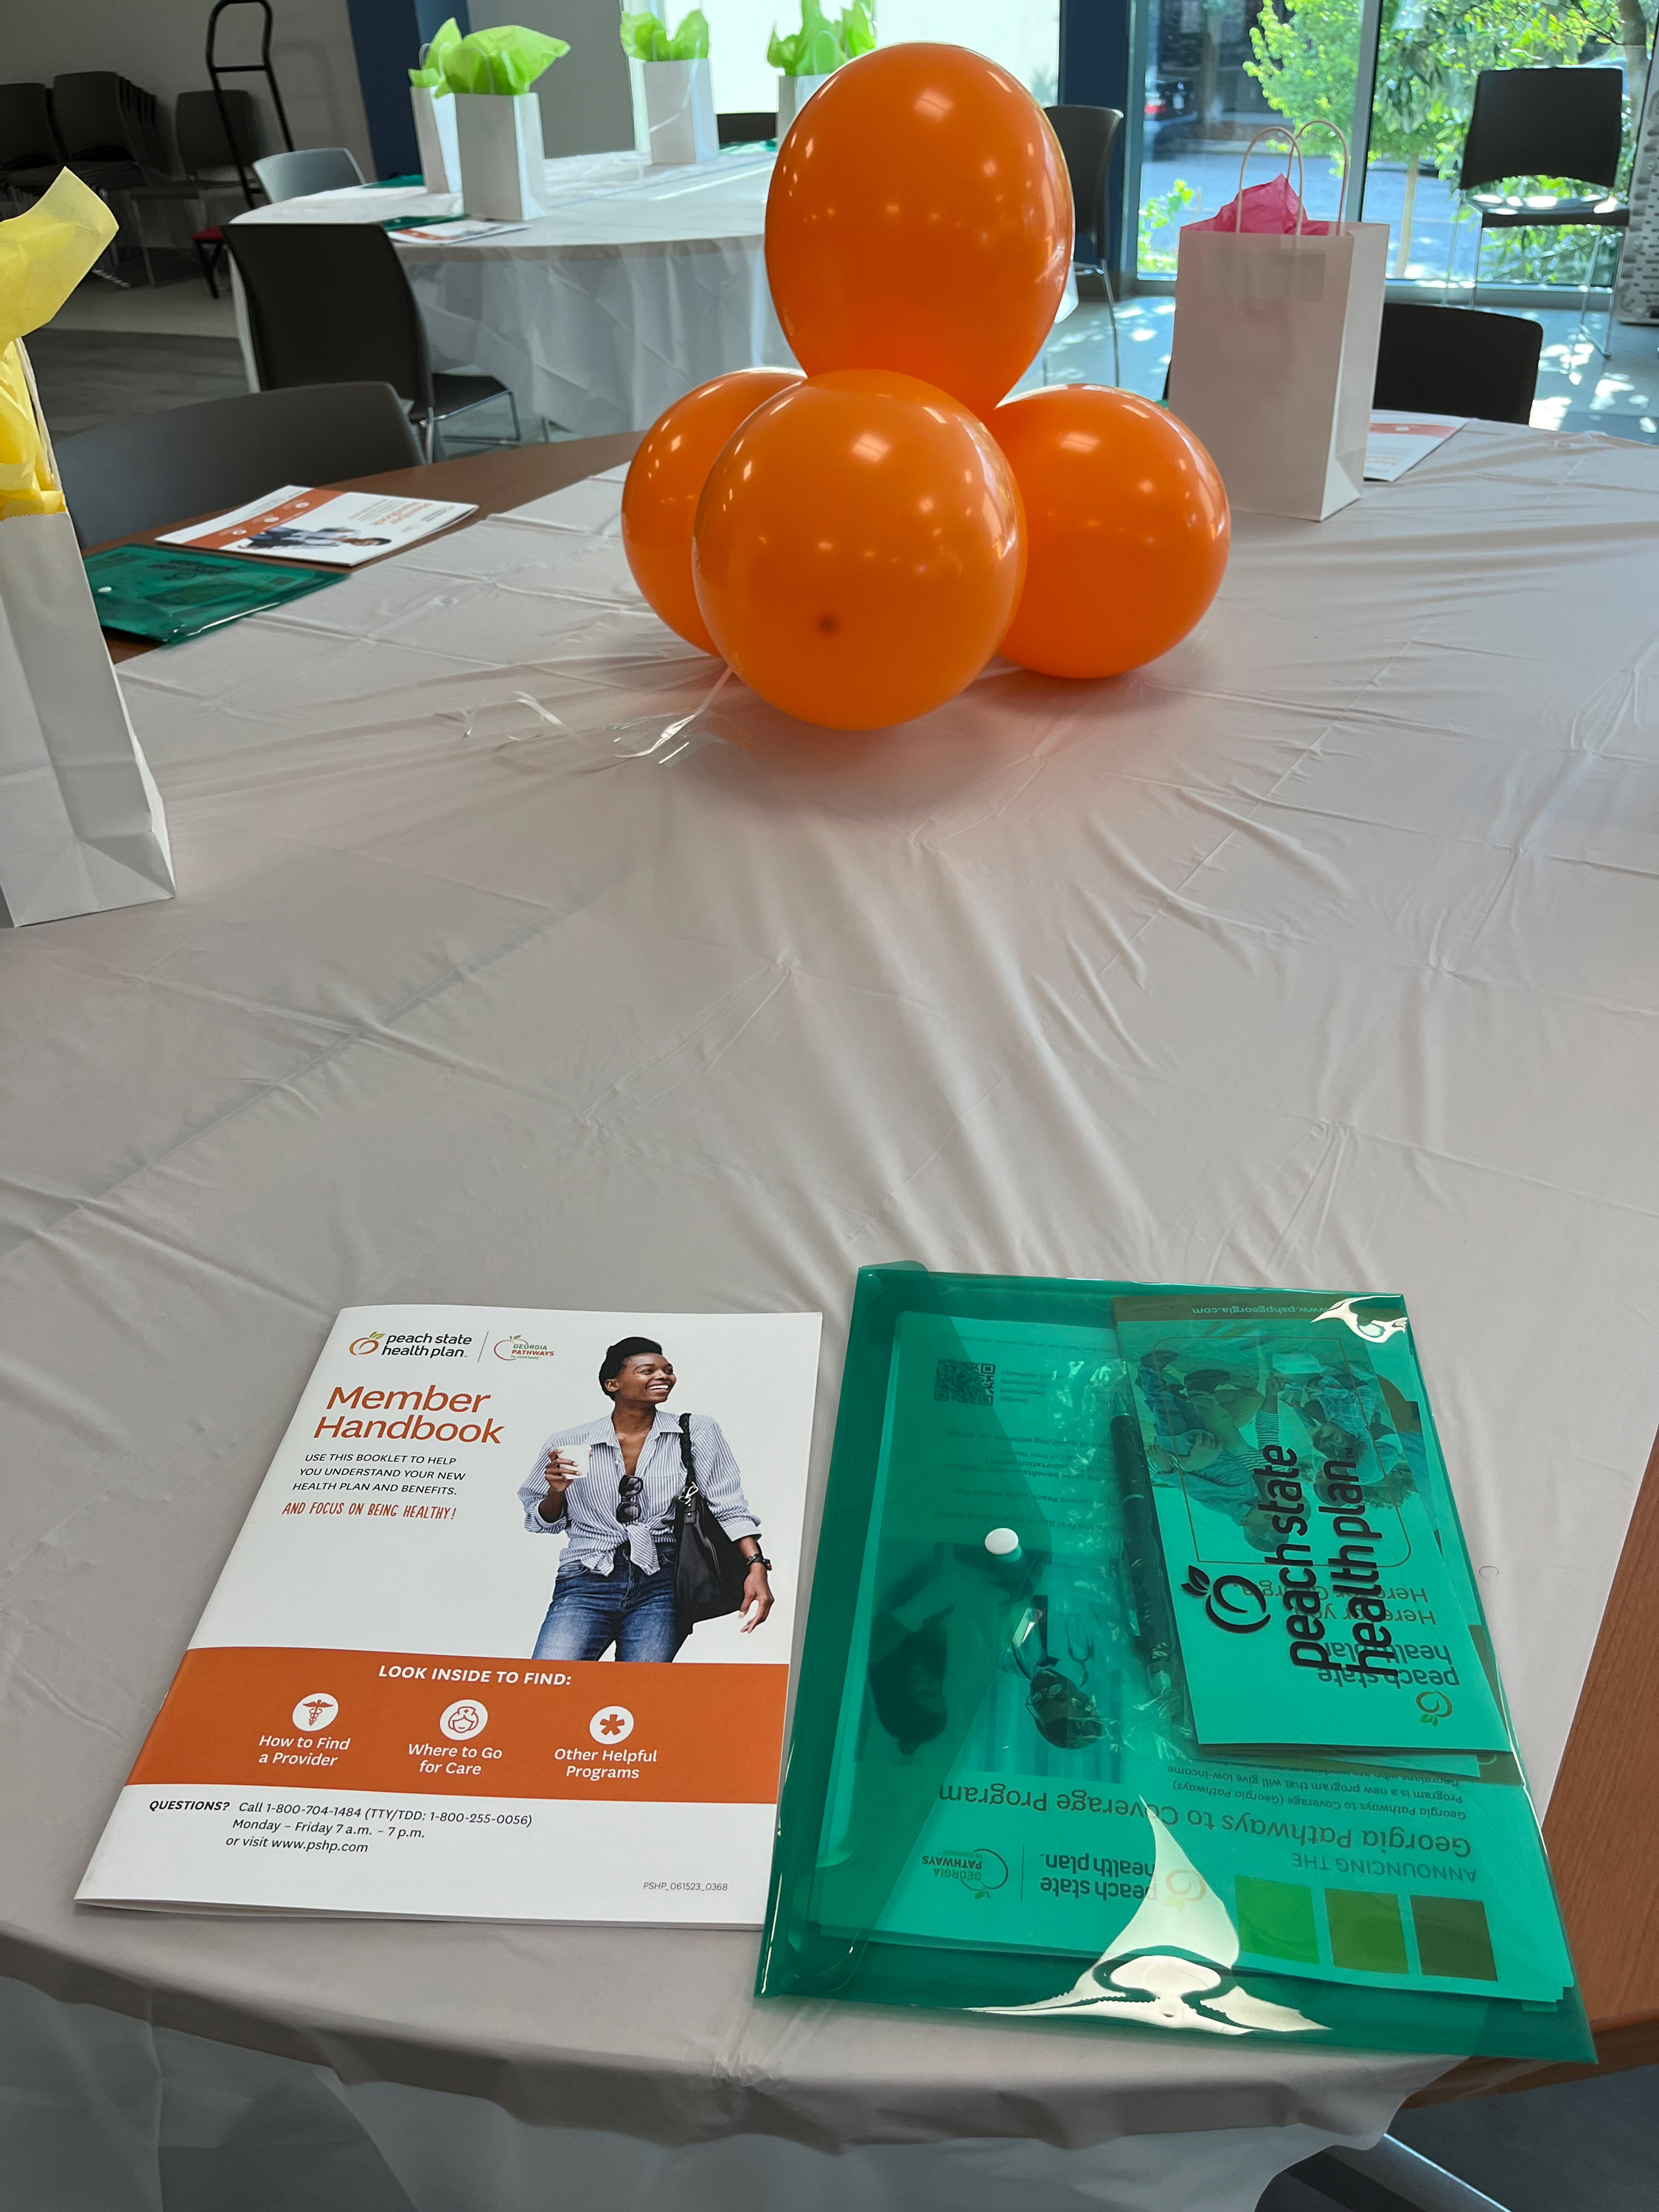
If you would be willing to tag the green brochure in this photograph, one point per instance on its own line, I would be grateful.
(1288, 1470)
(154, 592)
(998, 1798)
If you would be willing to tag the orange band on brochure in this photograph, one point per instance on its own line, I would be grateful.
(402, 1721)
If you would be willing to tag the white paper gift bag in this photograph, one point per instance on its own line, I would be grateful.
(82, 829)
(1274, 357)
(503, 172)
(438, 136)
(679, 102)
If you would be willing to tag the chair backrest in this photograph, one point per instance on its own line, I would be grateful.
(100, 116)
(161, 469)
(329, 303)
(200, 131)
(1458, 361)
(1087, 136)
(746, 126)
(313, 169)
(27, 140)
(1545, 123)
(86, 106)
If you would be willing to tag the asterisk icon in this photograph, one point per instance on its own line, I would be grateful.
(612, 1724)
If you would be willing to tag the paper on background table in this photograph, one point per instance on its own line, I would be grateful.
(456, 230)
(335, 529)
(1398, 439)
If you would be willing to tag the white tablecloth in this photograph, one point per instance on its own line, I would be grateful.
(637, 284)
(1321, 953)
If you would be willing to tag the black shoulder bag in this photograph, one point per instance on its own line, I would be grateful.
(709, 1570)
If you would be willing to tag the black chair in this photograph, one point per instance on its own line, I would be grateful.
(746, 126)
(211, 167)
(28, 144)
(329, 303)
(110, 129)
(1457, 361)
(161, 469)
(1544, 123)
(1087, 136)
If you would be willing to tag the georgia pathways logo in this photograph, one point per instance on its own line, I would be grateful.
(1231, 1601)
(521, 1347)
(361, 1346)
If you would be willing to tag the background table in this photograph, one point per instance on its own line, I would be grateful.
(638, 283)
(1319, 952)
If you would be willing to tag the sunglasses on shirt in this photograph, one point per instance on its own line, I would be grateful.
(628, 1491)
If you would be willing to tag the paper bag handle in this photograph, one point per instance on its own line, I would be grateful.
(1295, 135)
(1269, 131)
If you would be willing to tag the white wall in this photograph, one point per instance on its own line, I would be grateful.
(587, 100)
(160, 44)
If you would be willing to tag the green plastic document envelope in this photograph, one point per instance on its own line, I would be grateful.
(1023, 1782)
(151, 591)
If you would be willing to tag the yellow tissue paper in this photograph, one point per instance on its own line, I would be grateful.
(44, 254)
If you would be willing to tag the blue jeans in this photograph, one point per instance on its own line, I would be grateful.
(591, 1610)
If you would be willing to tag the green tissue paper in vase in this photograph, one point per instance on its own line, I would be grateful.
(820, 47)
(506, 60)
(430, 73)
(646, 38)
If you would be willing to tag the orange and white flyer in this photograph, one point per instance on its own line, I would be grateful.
(1398, 440)
(447, 1672)
(325, 529)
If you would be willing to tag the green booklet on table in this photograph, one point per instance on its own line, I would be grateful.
(155, 592)
(1039, 1779)
(1289, 1472)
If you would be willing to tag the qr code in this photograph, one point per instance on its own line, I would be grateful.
(964, 1382)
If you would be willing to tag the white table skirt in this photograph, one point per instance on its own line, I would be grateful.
(638, 284)
(1319, 953)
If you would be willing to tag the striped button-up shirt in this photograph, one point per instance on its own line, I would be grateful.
(590, 1505)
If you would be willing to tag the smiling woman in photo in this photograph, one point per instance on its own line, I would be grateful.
(616, 1579)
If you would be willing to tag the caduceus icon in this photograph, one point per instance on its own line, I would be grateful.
(316, 1708)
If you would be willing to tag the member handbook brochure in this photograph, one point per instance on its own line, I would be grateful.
(416, 1692)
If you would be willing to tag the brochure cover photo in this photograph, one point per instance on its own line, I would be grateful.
(505, 1633)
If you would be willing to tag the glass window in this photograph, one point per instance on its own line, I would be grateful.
(1429, 54)
(1217, 72)
(1023, 35)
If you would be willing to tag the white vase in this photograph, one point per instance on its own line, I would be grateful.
(676, 110)
(438, 138)
(503, 170)
(794, 93)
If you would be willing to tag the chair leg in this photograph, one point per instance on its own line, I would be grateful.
(1111, 317)
(429, 433)
(1584, 302)
(518, 435)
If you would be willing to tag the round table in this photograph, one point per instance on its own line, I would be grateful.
(638, 283)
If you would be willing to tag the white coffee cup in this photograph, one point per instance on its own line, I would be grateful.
(578, 1453)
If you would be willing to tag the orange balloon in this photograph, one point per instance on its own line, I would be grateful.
(1129, 529)
(919, 218)
(665, 483)
(859, 549)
